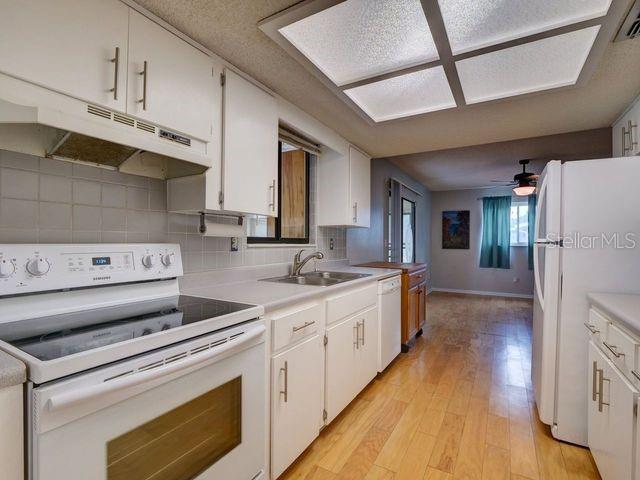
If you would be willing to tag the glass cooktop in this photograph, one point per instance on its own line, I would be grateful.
(57, 336)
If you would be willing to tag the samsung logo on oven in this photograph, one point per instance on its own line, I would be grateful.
(97, 279)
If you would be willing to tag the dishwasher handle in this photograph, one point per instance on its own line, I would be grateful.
(82, 394)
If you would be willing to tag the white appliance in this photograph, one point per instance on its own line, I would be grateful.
(126, 377)
(587, 240)
(389, 324)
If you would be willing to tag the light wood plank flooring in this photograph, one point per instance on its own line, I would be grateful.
(459, 405)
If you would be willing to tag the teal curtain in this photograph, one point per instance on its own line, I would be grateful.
(531, 228)
(495, 251)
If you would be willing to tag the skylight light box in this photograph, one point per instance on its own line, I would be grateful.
(359, 39)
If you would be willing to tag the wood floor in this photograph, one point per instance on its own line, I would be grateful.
(457, 406)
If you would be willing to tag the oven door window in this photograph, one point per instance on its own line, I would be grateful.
(183, 442)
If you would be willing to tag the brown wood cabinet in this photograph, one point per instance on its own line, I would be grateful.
(414, 301)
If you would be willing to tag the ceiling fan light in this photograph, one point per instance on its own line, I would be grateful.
(524, 189)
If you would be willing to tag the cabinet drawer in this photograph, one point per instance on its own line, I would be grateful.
(351, 302)
(598, 324)
(289, 326)
(621, 348)
(417, 278)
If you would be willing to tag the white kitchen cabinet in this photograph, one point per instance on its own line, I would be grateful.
(611, 417)
(352, 353)
(249, 148)
(170, 82)
(11, 433)
(344, 186)
(68, 46)
(626, 136)
(296, 401)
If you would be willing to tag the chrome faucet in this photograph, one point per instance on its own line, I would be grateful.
(299, 264)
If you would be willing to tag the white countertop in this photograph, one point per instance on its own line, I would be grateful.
(623, 307)
(272, 295)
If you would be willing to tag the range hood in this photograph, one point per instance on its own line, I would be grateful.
(56, 126)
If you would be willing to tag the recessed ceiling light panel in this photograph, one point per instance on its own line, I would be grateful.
(405, 95)
(359, 39)
(549, 63)
(473, 24)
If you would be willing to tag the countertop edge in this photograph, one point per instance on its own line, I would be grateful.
(609, 303)
(12, 371)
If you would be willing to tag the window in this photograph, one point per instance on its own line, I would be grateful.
(408, 231)
(519, 223)
(292, 223)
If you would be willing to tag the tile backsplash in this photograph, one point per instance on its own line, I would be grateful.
(51, 201)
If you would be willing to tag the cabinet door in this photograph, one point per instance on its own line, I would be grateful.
(360, 186)
(611, 417)
(180, 85)
(422, 305)
(296, 418)
(67, 46)
(250, 148)
(368, 348)
(342, 366)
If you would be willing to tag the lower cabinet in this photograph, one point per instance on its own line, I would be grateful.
(11, 433)
(612, 418)
(351, 359)
(296, 401)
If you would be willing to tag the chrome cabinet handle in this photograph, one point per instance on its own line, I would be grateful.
(116, 62)
(594, 381)
(632, 143)
(305, 325)
(601, 381)
(592, 328)
(144, 74)
(613, 349)
(635, 374)
(355, 212)
(362, 323)
(356, 330)
(285, 392)
(272, 204)
(624, 141)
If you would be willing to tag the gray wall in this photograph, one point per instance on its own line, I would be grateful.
(51, 201)
(458, 269)
(368, 244)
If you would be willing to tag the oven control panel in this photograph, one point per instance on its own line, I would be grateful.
(38, 268)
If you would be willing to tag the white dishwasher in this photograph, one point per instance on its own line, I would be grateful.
(388, 320)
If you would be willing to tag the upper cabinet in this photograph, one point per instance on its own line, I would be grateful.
(170, 82)
(105, 53)
(75, 47)
(344, 186)
(626, 137)
(249, 148)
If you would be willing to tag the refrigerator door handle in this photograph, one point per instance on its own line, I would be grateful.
(538, 243)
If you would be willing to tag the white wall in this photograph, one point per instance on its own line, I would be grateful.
(459, 269)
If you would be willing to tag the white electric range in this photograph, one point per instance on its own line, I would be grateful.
(126, 377)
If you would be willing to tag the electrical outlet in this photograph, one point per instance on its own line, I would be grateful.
(331, 245)
(235, 244)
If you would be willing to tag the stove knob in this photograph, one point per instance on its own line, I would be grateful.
(7, 268)
(38, 266)
(148, 261)
(168, 259)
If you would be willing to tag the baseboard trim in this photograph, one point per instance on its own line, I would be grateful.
(479, 292)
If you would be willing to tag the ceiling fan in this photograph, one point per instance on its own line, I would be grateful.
(524, 182)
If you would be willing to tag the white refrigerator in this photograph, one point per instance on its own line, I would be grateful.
(587, 235)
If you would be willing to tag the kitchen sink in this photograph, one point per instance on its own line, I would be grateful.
(318, 279)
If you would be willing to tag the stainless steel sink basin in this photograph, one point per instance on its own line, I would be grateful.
(318, 279)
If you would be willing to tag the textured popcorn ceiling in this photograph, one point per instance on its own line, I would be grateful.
(362, 38)
(229, 28)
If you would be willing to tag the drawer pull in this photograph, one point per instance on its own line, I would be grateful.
(635, 374)
(592, 328)
(362, 324)
(303, 326)
(594, 381)
(601, 389)
(614, 350)
(356, 330)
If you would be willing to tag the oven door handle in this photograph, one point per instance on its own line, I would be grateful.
(82, 394)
